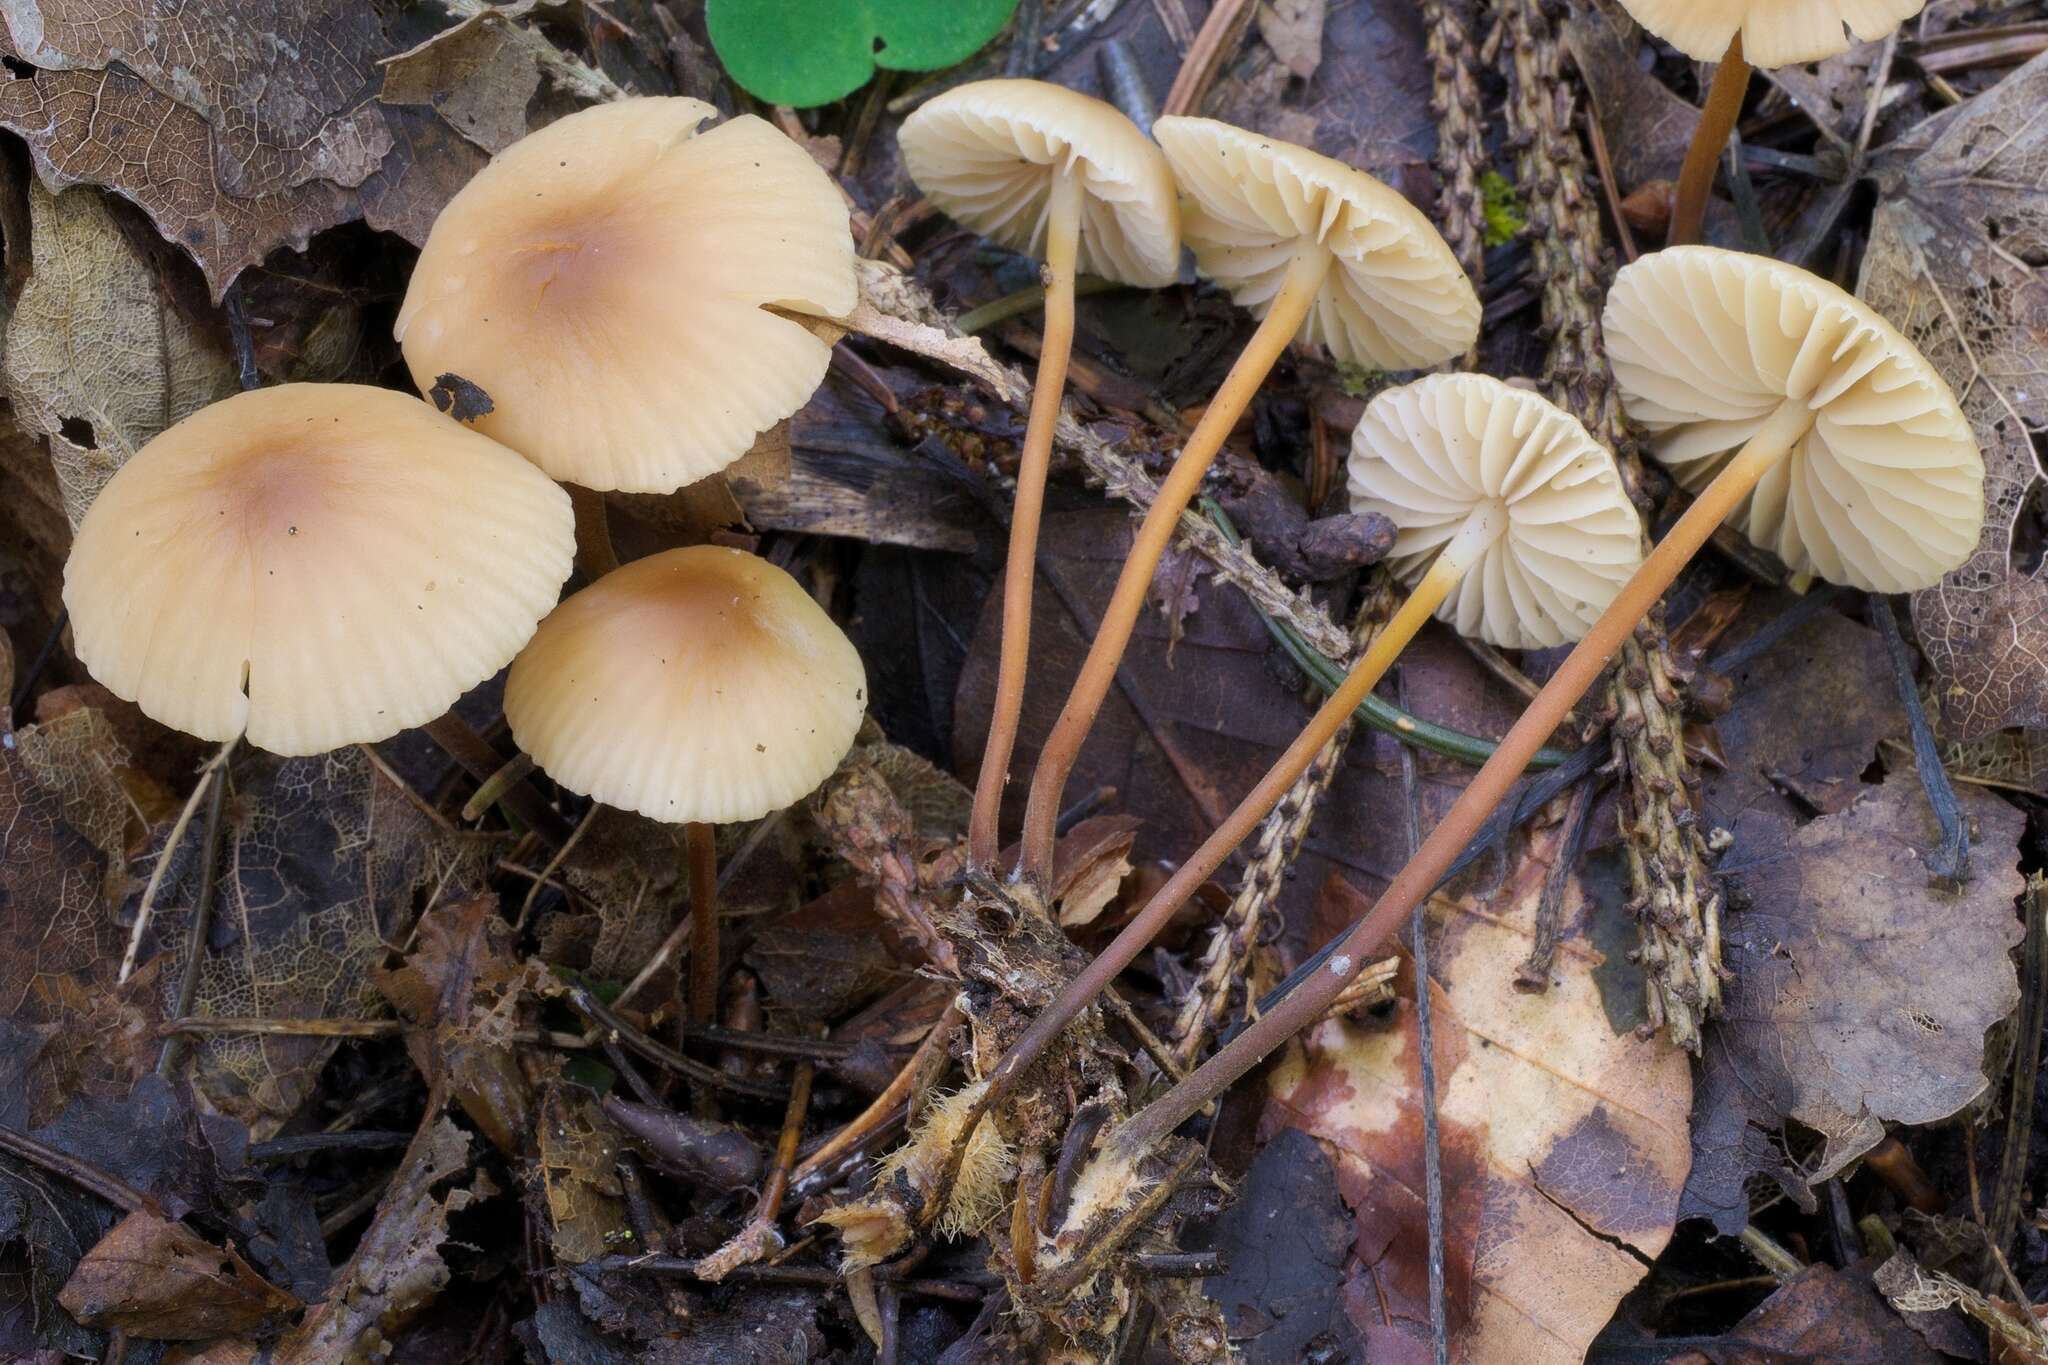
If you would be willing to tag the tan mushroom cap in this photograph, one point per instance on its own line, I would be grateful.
(986, 153)
(1774, 32)
(313, 565)
(607, 281)
(698, 685)
(1428, 454)
(1396, 298)
(1884, 493)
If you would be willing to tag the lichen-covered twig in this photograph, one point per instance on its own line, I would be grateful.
(1672, 893)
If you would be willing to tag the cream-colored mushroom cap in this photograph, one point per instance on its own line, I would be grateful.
(1774, 32)
(1395, 298)
(608, 282)
(701, 684)
(313, 565)
(1885, 492)
(1428, 455)
(987, 152)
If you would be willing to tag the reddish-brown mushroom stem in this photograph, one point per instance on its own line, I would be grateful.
(1062, 241)
(1717, 121)
(1481, 529)
(594, 554)
(1303, 281)
(1581, 668)
(700, 842)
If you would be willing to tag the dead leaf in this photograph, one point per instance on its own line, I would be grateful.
(321, 859)
(397, 1267)
(579, 1177)
(1089, 865)
(459, 995)
(1564, 1140)
(1955, 261)
(154, 1278)
(479, 75)
(98, 359)
(1859, 993)
(1646, 126)
(1294, 30)
(830, 956)
(1286, 1243)
(1820, 1314)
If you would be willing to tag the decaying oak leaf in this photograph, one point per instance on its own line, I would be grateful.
(1564, 1140)
(1859, 992)
(154, 1278)
(98, 359)
(1956, 256)
(321, 861)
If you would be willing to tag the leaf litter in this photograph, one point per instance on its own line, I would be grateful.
(396, 1119)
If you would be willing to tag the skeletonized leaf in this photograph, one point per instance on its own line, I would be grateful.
(98, 360)
(1955, 261)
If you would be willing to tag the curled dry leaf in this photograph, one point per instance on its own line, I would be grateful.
(1564, 1141)
(1955, 261)
(1822, 1314)
(480, 76)
(154, 1278)
(1860, 992)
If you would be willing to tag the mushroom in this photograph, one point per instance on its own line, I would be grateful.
(1801, 400)
(620, 285)
(313, 565)
(1320, 251)
(1742, 33)
(698, 687)
(1513, 526)
(1067, 178)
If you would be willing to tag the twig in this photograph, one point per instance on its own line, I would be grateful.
(760, 1238)
(1951, 858)
(1221, 32)
(81, 1173)
(1533, 975)
(959, 1291)
(202, 917)
(1425, 1044)
(554, 863)
(47, 650)
(915, 1073)
(2010, 1183)
(585, 1004)
(176, 839)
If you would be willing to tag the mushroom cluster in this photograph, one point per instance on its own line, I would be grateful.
(619, 296)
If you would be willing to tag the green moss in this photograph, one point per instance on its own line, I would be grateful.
(1358, 381)
(1505, 214)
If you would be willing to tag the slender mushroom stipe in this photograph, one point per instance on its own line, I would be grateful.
(1739, 34)
(1849, 455)
(1052, 173)
(1321, 251)
(1515, 528)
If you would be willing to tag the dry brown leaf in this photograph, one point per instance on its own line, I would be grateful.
(1564, 1141)
(98, 360)
(1956, 252)
(579, 1177)
(1820, 1314)
(479, 76)
(1294, 30)
(154, 1278)
(1860, 993)
(1647, 127)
